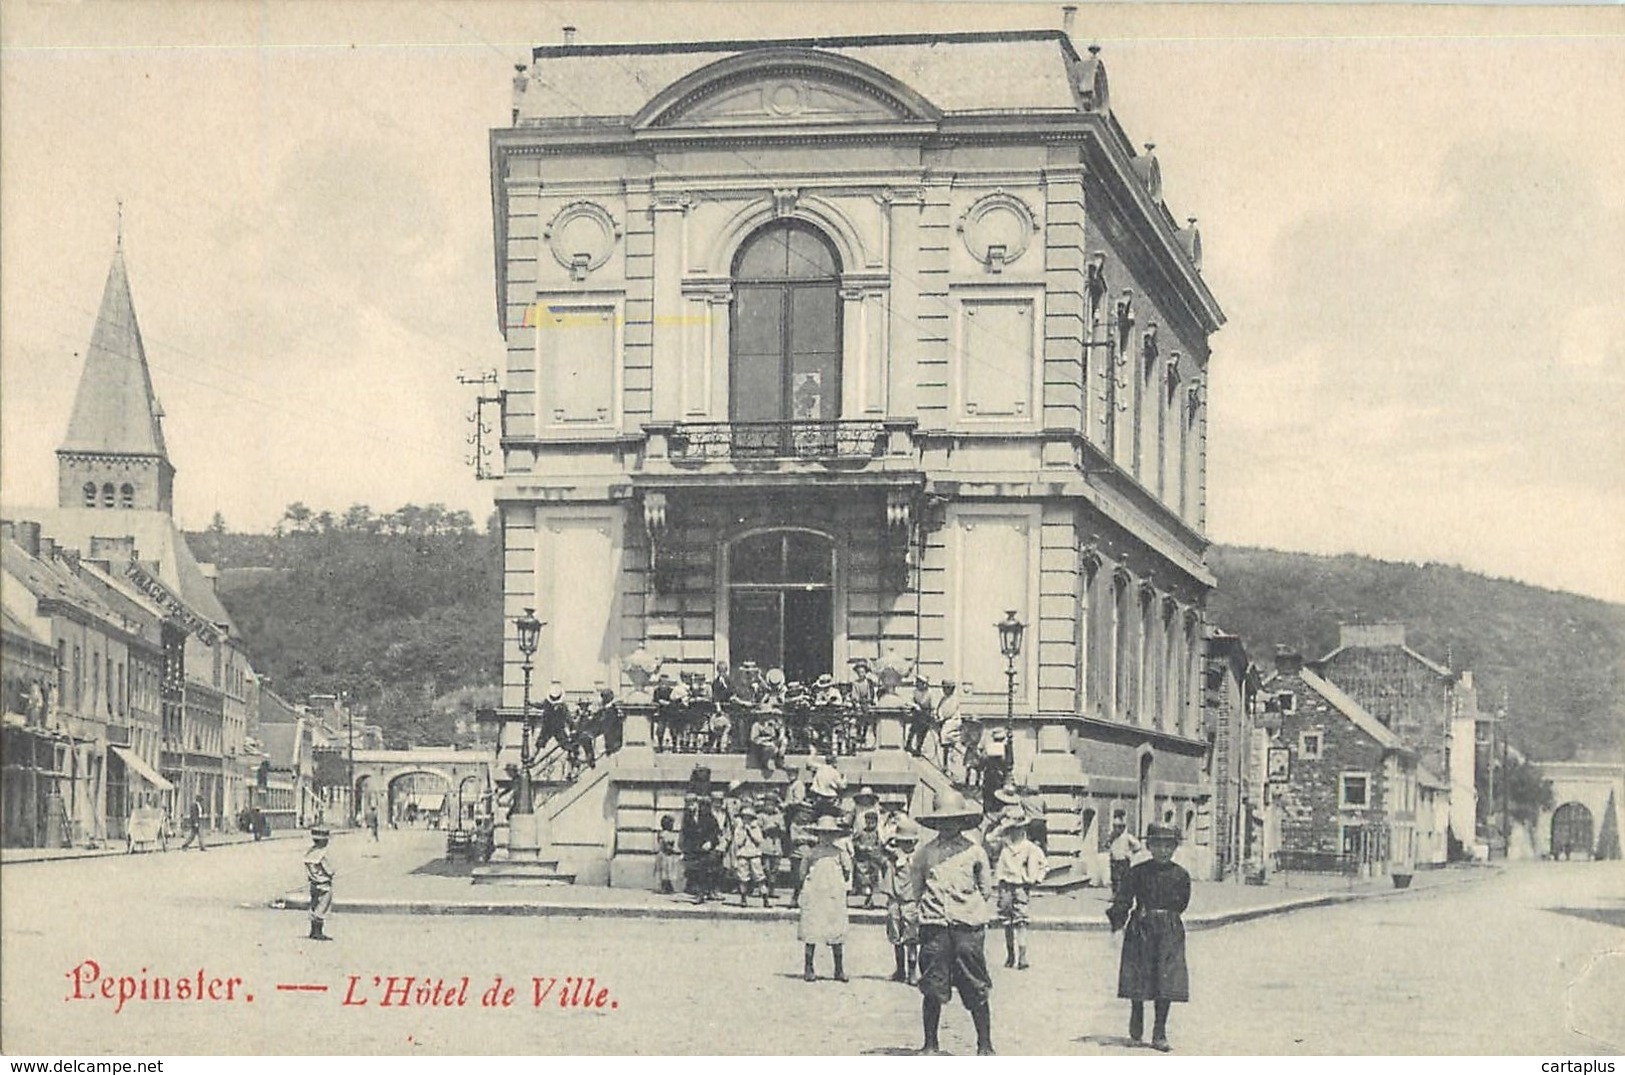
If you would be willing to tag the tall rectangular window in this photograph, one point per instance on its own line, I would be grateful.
(1355, 791)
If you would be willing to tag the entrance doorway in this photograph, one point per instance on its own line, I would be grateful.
(781, 599)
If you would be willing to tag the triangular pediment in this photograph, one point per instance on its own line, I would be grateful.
(791, 88)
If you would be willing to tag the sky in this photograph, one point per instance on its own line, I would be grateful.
(1414, 219)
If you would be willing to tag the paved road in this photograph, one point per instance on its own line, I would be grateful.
(1532, 961)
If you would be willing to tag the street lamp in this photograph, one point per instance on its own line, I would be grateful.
(530, 631)
(1010, 632)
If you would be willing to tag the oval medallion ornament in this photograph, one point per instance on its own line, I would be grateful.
(997, 230)
(581, 237)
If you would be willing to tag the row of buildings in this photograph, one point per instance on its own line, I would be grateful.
(127, 691)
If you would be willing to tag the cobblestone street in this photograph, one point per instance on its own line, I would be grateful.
(1531, 960)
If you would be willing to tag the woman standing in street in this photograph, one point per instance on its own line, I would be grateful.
(1147, 909)
(826, 876)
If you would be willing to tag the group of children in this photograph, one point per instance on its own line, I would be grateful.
(939, 896)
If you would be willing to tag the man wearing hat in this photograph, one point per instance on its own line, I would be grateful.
(825, 692)
(319, 872)
(1147, 909)
(949, 725)
(920, 713)
(825, 787)
(995, 765)
(1121, 847)
(698, 838)
(555, 719)
(952, 879)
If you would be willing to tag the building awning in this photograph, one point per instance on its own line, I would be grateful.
(145, 771)
(429, 801)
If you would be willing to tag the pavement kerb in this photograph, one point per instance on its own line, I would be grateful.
(296, 900)
(14, 856)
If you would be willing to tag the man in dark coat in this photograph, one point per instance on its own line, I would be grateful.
(555, 720)
(611, 721)
(697, 839)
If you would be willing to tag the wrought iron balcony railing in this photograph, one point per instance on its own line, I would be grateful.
(807, 440)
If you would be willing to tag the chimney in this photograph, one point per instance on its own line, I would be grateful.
(28, 537)
(569, 35)
(1288, 662)
(1371, 634)
(1069, 18)
(45, 549)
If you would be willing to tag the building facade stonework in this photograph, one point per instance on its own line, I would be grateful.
(844, 348)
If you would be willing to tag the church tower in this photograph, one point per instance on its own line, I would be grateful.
(113, 456)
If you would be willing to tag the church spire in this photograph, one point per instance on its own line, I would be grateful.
(116, 423)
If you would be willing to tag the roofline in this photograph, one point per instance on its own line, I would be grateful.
(1431, 665)
(540, 52)
(1354, 711)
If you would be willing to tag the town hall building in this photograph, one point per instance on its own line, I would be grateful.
(841, 348)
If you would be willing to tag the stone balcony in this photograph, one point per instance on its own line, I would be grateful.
(872, 451)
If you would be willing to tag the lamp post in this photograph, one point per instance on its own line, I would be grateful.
(1010, 632)
(530, 630)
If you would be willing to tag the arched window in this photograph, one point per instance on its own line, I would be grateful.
(786, 339)
(107, 495)
(90, 494)
(126, 495)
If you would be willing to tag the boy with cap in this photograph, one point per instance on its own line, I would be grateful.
(1021, 866)
(771, 817)
(950, 875)
(902, 903)
(749, 845)
(1147, 909)
(319, 872)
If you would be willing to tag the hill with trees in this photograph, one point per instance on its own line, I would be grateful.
(397, 612)
(1558, 657)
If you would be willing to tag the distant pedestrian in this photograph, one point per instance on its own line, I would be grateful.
(1147, 909)
(1020, 866)
(372, 822)
(826, 872)
(319, 872)
(669, 857)
(902, 902)
(1121, 847)
(194, 824)
(952, 879)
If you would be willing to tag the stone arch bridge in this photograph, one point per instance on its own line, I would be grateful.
(463, 775)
